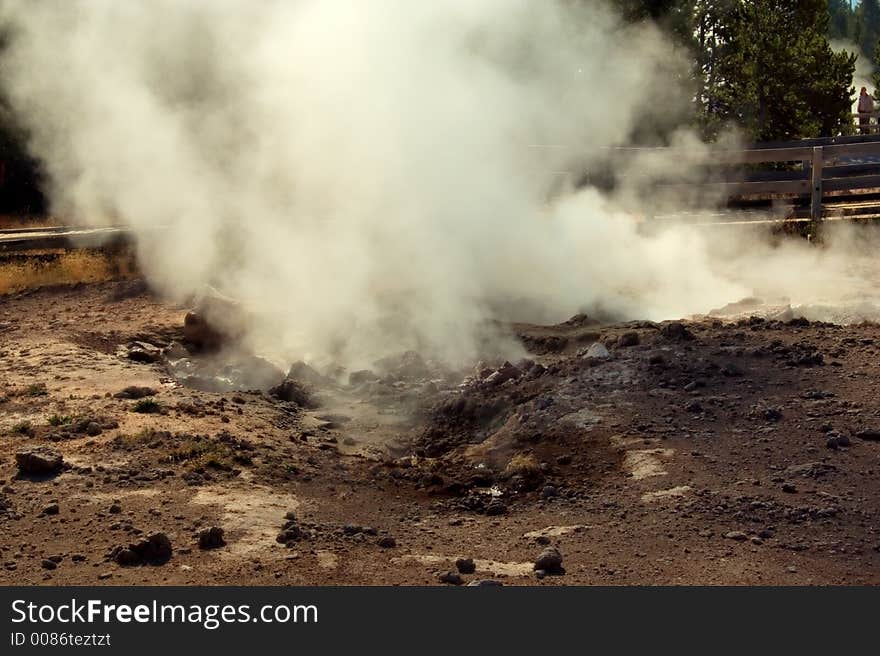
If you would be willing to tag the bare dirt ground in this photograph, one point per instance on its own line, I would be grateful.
(726, 450)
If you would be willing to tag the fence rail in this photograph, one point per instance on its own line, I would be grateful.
(826, 166)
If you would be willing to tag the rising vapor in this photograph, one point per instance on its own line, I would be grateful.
(361, 174)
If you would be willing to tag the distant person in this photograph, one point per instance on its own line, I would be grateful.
(866, 108)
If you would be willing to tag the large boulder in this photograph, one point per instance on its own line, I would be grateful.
(215, 321)
(39, 461)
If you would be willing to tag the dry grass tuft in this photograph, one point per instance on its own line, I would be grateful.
(61, 267)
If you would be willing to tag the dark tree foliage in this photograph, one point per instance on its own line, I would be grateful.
(867, 31)
(842, 20)
(768, 68)
(20, 177)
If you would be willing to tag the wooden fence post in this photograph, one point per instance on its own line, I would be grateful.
(816, 184)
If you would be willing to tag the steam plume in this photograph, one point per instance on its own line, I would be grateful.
(361, 174)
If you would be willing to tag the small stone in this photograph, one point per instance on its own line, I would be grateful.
(737, 536)
(789, 488)
(550, 561)
(48, 564)
(51, 509)
(628, 339)
(596, 351)
(452, 578)
(694, 407)
(93, 428)
(869, 435)
(114, 509)
(484, 583)
(563, 460)
(496, 507)
(211, 538)
(387, 542)
(465, 565)
(549, 492)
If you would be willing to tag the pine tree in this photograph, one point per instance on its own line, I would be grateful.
(768, 67)
(868, 17)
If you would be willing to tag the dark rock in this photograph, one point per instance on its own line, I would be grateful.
(550, 561)
(789, 488)
(452, 578)
(496, 507)
(628, 339)
(93, 428)
(39, 461)
(294, 392)
(48, 564)
(465, 565)
(211, 538)
(694, 407)
(549, 492)
(387, 542)
(155, 549)
(871, 435)
(504, 373)
(675, 330)
(291, 532)
(114, 509)
(144, 353)
(51, 509)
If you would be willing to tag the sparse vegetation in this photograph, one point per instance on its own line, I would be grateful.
(22, 428)
(148, 437)
(147, 406)
(59, 420)
(36, 389)
(200, 453)
(54, 268)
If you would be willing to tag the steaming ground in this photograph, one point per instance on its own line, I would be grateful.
(725, 450)
(487, 375)
(363, 176)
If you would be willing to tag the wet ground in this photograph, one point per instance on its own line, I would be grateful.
(730, 449)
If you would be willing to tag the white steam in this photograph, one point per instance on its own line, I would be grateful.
(360, 174)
